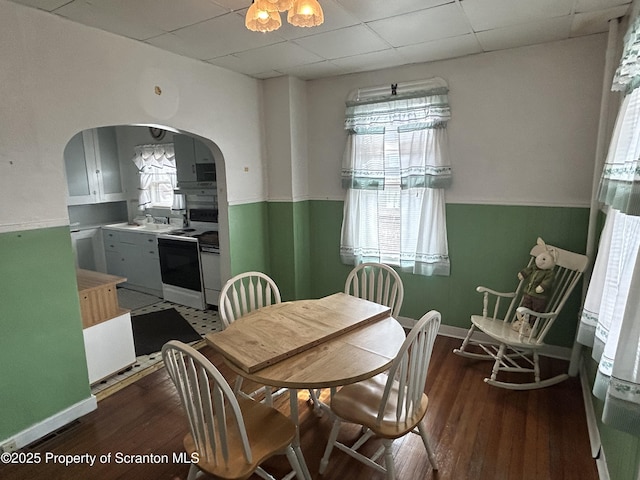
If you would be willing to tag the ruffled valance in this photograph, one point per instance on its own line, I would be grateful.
(380, 128)
(627, 76)
(155, 156)
(157, 174)
(418, 110)
(620, 181)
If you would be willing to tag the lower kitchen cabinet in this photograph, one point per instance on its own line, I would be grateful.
(88, 249)
(134, 255)
(211, 276)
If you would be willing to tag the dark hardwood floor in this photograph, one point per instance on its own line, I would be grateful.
(477, 431)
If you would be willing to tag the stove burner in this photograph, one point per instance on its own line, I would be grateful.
(208, 238)
(183, 231)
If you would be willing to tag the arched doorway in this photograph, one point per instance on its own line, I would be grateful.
(108, 152)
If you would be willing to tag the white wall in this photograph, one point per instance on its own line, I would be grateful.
(285, 129)
(518, 114)
(59, 78)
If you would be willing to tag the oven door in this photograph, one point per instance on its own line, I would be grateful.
(179, 263)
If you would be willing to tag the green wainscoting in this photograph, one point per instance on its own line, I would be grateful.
(249, 238)
(44, 369)
(289, 232)
(488, 245)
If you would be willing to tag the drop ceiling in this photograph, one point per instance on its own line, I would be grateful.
(357, 35)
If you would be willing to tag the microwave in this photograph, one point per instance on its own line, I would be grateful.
(205, 172)
(204, 183)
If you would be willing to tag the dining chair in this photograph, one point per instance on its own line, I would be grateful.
(512, 347)
(389, 405)
(229, 437)
(377, 283)
(242, 294)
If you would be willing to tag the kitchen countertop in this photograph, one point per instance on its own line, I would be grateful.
(147, 228)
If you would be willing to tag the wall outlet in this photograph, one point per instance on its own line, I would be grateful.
(10, 446)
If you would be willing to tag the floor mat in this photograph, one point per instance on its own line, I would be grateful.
(152, 330)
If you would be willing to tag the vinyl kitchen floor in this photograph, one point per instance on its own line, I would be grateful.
(203, 322)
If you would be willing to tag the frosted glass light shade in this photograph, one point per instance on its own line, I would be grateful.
(305, 13)
(274, 5)
(261, 20)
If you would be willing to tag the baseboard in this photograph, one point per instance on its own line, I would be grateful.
(553, 351)
(51, 424)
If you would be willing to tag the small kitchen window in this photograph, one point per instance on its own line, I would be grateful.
(157, 175)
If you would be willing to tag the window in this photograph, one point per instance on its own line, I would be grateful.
(157, 174)
(395, 169)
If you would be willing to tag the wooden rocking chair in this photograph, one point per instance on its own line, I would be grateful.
(517, 350)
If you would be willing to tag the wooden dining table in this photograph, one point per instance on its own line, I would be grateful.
(328, 342)
(310, 344)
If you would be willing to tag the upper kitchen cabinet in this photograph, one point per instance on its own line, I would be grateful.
(92, 166)
(194, 160)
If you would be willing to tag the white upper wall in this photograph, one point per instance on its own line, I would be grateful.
(59, 78)
(523, 128)
(285, 128)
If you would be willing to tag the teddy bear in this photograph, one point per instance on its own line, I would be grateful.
(539, 278)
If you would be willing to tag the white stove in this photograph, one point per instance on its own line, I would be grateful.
(203, 227)
(181, 265)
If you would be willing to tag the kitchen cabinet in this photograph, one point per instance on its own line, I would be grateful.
(88, 249)
(92, 167)
(194, 160)
(134, 255)
(210, 264)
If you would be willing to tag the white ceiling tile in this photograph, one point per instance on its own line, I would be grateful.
(314, 70)
(175, 44)
(232, 62)
(525, 34)
(596, 21)
(48, 5)
(96, 16)
(423, 26)
(343, 43)
(166, 15)
(368, 10)
(489, 14)
(219, 36)
(269, 74)
(232, 5)
(590, 5)
(371, 61)
(276, 57)
(335, 17)
(441, 49)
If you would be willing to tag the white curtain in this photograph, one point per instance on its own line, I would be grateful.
(610, 321)
(157, 174)
(395, 168)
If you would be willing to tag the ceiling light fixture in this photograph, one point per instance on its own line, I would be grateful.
(264, 15)
(262, 20)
